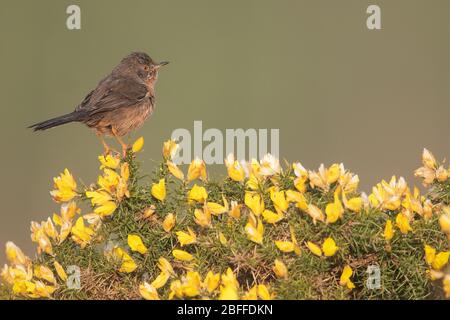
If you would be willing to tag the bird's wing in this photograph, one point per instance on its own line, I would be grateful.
(113, 94)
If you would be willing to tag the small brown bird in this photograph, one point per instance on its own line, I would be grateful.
(120, 103)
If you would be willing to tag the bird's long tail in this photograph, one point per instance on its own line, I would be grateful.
(44, 125)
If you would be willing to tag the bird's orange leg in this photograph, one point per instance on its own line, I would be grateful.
(123, 144)
(105, 145)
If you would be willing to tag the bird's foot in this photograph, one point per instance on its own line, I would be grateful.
(124, 150)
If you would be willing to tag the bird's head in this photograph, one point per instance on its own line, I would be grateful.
(140, 65)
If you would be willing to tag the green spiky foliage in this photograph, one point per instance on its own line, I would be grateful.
(359, 236)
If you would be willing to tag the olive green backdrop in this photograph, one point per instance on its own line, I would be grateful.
(337, 91)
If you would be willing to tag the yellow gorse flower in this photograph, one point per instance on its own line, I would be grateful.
(353, 204)
(279, 200)
(108, 161)
(314, 248)
(159, 190)
(235, 169)
(160, 280)
(436, 261)
(297, 198)
(15, 255)
(138, 145)
(280, 269)
(272, 217)
(135, 243)
(302, 176)
(444, 220)
(269, 166)
(60, 271)
(216, 208)
(289, 246)
(229, 286)
(323, 178)
(388, 231)
(402, 222)
(345, 278)
(334, 210)
(170, 148)
(263, 292)
(254, 229)
(198, 194)
(202, 217)
(65, 187)
(148, 292)
(186, 238)
(165, 266)
(428, 171)
(169, 222)
(182, 255)
(127, 264)
(235, 211)
(211, 281)
(106, 209)
(285, 246)
(315, 213)
(191, 284)
(174, 170)
(254, 202)
(197, 169)
(222, 239)
(81, 234)
(329, 247)
(44, 273)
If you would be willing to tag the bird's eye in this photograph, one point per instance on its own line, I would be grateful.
(146, 68)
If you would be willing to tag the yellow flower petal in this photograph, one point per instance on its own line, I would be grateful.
(174, 170)
(186, 238)
(222, 239)
(315, 213)
(211, 281)
(160, 280)
(279, 200)
(216, 208)
(170, 148)
(137, 145)
(182, 255)
(136, 244)
(329, 247)
(254, 229)
(60, 271)
(345, 278)
(197, 194)
(148, 292)
(254, 202)
(169, 222)
(402, 222)
(159, 190)
(197, 169)
(280, 269)
(263, 292)
(388, 231)
(314, 248)
(105, 209)
(202, 217)
(285, 246)
(272, 217)
(109, 161)
(127, 263)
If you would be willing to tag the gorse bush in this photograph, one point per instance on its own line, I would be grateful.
(263, 232)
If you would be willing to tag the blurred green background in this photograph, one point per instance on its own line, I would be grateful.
(337, 91)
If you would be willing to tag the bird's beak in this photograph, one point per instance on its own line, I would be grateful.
(162, 63)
